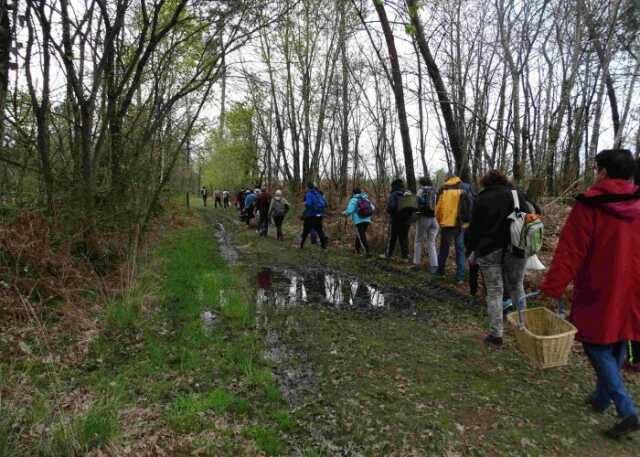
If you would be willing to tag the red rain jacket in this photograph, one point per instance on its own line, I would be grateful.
(599, 250)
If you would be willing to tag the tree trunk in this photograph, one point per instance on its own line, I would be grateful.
(399, 94)
(455, 143)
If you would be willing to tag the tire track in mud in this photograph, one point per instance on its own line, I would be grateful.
(428, 290)
(320, 284)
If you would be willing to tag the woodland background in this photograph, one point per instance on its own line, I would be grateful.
(111, 108)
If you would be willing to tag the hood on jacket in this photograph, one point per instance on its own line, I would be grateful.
(360, 195)
(617, 197)
(453, 181)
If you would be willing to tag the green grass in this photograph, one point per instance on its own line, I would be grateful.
(393, 385)
(383, 386)
(267, 440)
(193, 412)
(153, 356)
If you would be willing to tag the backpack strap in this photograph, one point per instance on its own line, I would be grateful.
(607, 198)
(516, 201)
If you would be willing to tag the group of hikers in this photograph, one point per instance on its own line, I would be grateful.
(497, 233)
(221, 197)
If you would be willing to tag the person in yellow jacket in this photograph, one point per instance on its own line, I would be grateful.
(451, 225)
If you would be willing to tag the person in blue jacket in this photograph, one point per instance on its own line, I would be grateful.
(249, 204)
(314, 208)
(358, 208)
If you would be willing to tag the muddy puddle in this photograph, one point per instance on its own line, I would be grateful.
(284, 288)
(224, 244)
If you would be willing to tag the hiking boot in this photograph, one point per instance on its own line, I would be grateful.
(495, 340)
(628, 425)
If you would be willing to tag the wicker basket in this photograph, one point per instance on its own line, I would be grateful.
(546, 338)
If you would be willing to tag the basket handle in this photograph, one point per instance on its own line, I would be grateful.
(521, 306)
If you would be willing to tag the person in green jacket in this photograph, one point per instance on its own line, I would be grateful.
(360, 208)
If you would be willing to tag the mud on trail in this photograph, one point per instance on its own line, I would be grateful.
(376, 359)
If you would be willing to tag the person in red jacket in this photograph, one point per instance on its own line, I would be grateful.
(262, 205)
(599, 251)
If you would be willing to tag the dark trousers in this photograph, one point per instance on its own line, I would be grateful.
(248, 215)
(313, 223)
(455, 235)
(263, 224)
(361, 237)
(226, 202)
(474, 274)
(398, 232)
(217, 203)
(278, 220)
(204, 200)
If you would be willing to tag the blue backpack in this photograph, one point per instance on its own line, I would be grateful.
(427, 200)
(318, 202)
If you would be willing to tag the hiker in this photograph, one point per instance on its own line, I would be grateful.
(204, 193)
(225, 199)
(240, 200)
(427, 225)
(453, 215)
(399, 221)
(262, 205)
(489, 241)
(277, 211)
(360, 209)
(249, 205)
(599, 251)
(217, 195)
(314, 208)
(633, 347)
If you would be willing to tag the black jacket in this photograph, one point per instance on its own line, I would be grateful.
(489, 228)
(394, 200)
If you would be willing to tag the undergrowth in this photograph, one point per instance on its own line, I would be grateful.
(155, 373)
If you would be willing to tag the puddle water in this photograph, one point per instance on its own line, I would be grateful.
(224, 245)
(286, 288)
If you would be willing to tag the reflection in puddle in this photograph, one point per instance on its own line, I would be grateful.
(284, 288)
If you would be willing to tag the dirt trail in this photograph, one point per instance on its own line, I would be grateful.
(376, 359)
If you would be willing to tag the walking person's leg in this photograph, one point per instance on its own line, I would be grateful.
(606, 361)
(307, 226)
(460, 257)
(443, 254)
(318, 226)
(392, 237)
(403, 234)
(474, 273)
(421, 228)
(491, 267)
(362, 231)
(432, 235)
(513, 273)
(278, 221)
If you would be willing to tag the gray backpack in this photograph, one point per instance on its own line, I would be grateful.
(279, 208)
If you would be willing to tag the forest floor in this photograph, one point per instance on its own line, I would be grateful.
(231, 344)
